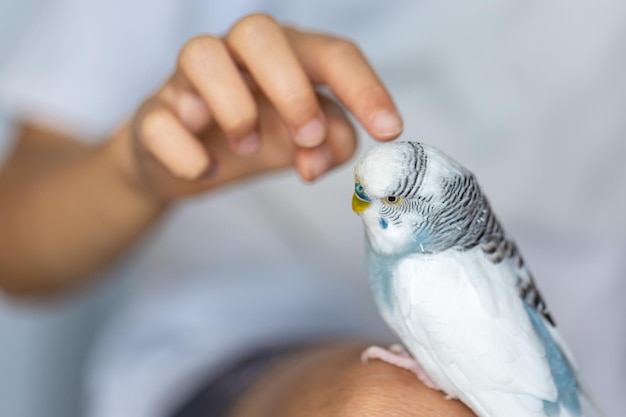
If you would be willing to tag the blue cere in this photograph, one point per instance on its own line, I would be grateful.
(383, 223)
(360, 192)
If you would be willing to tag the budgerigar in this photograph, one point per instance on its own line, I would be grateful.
(455, 289)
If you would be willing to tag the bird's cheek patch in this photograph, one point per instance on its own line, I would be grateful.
(383, 223)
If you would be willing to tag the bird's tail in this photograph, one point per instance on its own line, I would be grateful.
(592, 400)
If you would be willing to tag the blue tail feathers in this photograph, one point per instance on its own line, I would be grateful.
(562, 371)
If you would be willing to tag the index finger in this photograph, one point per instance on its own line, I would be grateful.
(340, 65)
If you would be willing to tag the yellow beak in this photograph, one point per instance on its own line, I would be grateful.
(359, 205)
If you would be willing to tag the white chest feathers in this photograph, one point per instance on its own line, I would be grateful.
(460, 315)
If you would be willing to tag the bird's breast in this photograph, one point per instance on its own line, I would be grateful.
(430, 286)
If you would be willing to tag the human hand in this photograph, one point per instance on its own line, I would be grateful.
(332, 381)
(246, 103)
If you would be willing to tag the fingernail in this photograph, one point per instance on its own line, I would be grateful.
(387, 124)
(319, 161)
(209, 172)
(249, 144)
(311, 134)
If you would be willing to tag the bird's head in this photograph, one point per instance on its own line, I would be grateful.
(399, 190)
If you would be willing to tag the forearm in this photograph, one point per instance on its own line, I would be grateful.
(331, 380)
(61, 223)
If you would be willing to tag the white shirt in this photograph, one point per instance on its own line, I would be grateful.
(529, 96)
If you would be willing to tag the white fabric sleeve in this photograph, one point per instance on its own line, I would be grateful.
(87, 64)
(83, 64)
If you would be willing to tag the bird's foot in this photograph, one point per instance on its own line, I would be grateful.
(398, 356)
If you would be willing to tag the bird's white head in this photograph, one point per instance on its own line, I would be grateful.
(399, 187)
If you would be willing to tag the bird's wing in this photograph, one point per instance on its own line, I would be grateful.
(462, 313)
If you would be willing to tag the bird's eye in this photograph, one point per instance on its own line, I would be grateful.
(392, 200)
(360, 192)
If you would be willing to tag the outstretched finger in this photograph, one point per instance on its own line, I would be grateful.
(341, 66)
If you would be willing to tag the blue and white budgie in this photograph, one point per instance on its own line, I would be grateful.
(454, 288)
